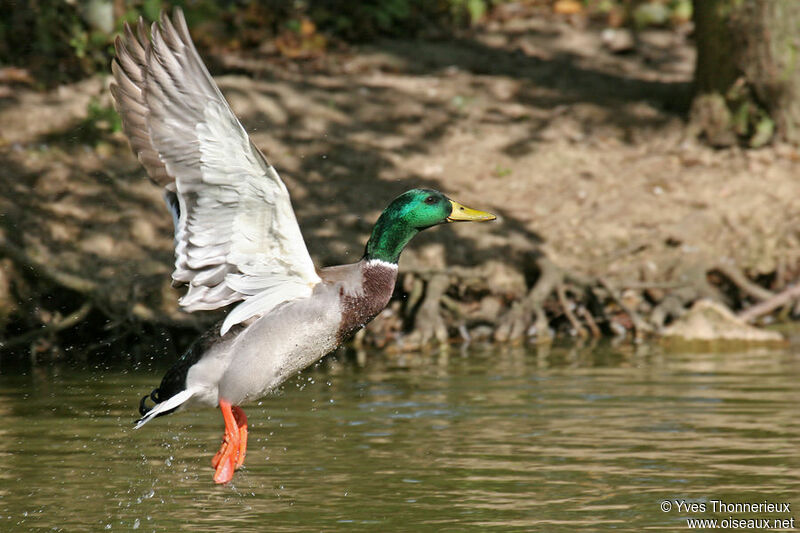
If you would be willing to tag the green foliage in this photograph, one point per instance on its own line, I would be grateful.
(151, 9)
(42, 39)
(644, 13)
(100, 121)
(63, 40)
(501, 172)
(368, 19)
(651, 14)
(764, 129)
(104, 118)
(474, 9)
(749, 120)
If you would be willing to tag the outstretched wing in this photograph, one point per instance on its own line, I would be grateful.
(236, 235)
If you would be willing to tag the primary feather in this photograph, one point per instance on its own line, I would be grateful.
(236, 235)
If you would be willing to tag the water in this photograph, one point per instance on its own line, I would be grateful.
(493, 440)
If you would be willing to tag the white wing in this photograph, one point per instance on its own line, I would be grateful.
(236, 236)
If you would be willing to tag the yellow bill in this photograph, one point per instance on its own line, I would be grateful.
(463, 213)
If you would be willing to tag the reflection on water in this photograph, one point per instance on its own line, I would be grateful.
(499, 439)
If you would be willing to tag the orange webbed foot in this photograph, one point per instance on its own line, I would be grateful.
(220, 453)
(230, 456)
(224, 462)
(241, 422)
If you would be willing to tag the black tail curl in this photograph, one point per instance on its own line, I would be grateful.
(154, 395)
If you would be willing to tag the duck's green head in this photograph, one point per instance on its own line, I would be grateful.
(410, 213)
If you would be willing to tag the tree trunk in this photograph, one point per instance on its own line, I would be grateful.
(747, 76)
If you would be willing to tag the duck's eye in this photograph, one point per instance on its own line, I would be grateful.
(430, 200)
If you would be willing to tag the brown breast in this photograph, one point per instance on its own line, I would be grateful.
(361, 306)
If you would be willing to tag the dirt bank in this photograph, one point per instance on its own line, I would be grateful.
(613, 217)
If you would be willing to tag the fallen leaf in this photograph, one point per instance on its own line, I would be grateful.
(568, 7)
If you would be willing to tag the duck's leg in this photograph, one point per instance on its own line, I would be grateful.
(241, 421)
(225, 460)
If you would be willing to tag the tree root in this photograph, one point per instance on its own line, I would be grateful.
(429, 324)
(662, 301)
(457, 301)
(640, 326)
(516, 323)
(119, 308)
(57, 324)
(749, 288)
(567, 308)
(767, 306)
(25, 261)
(590, 322)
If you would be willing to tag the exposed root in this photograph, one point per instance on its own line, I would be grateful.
(736, 277)
(640, 326)
(515, 324)
(429, 324)
(767, 306)
(590, 322)
(57, 324)
(40, 322)
(562, 301)
(566, 306)
(462, 303)
(672, 306)
(26, 261)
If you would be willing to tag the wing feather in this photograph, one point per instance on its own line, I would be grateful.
(236, 235)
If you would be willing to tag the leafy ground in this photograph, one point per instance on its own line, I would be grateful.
(584, 154)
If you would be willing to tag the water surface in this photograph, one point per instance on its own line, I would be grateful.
(487, 440)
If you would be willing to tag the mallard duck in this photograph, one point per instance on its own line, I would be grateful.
(237, 240)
